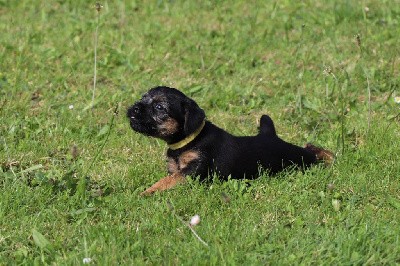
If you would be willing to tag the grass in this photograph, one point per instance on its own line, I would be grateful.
(326, 71)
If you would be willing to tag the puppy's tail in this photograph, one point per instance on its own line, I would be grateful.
(267, 126)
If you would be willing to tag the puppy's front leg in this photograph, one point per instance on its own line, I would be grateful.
(165, 183)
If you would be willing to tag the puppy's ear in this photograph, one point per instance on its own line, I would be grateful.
(194, 116)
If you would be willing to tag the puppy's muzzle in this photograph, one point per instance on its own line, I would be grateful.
(134, 115)
(140, 120)
(133, 112)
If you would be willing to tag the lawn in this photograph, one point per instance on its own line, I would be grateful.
(71, 169)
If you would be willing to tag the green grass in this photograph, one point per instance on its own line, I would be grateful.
(298, 61)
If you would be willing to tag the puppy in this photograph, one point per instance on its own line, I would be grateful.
(199, 148)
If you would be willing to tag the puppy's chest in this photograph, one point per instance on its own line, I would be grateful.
(185, 163)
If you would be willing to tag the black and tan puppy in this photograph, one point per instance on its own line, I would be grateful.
(199, 148)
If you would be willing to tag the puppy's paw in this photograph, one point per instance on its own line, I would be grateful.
(165, 183)
(321, 154)
(148, 192)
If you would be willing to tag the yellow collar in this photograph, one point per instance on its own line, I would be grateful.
(188, 139)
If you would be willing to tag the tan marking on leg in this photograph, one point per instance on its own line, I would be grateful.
(322, 155)
(175, 176)
(187, 157)
(164, 184)
(172, 166)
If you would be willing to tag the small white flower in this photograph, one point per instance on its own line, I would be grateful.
(87, 260)
(71, 107)
(397, 99)
(195, 220)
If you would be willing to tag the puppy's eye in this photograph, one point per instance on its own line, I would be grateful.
(159, 107)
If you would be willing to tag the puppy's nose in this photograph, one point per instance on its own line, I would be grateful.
(133, 111)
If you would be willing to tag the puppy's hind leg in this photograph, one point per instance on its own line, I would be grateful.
(267, 126)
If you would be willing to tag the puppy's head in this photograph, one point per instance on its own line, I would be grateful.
(165, 113)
